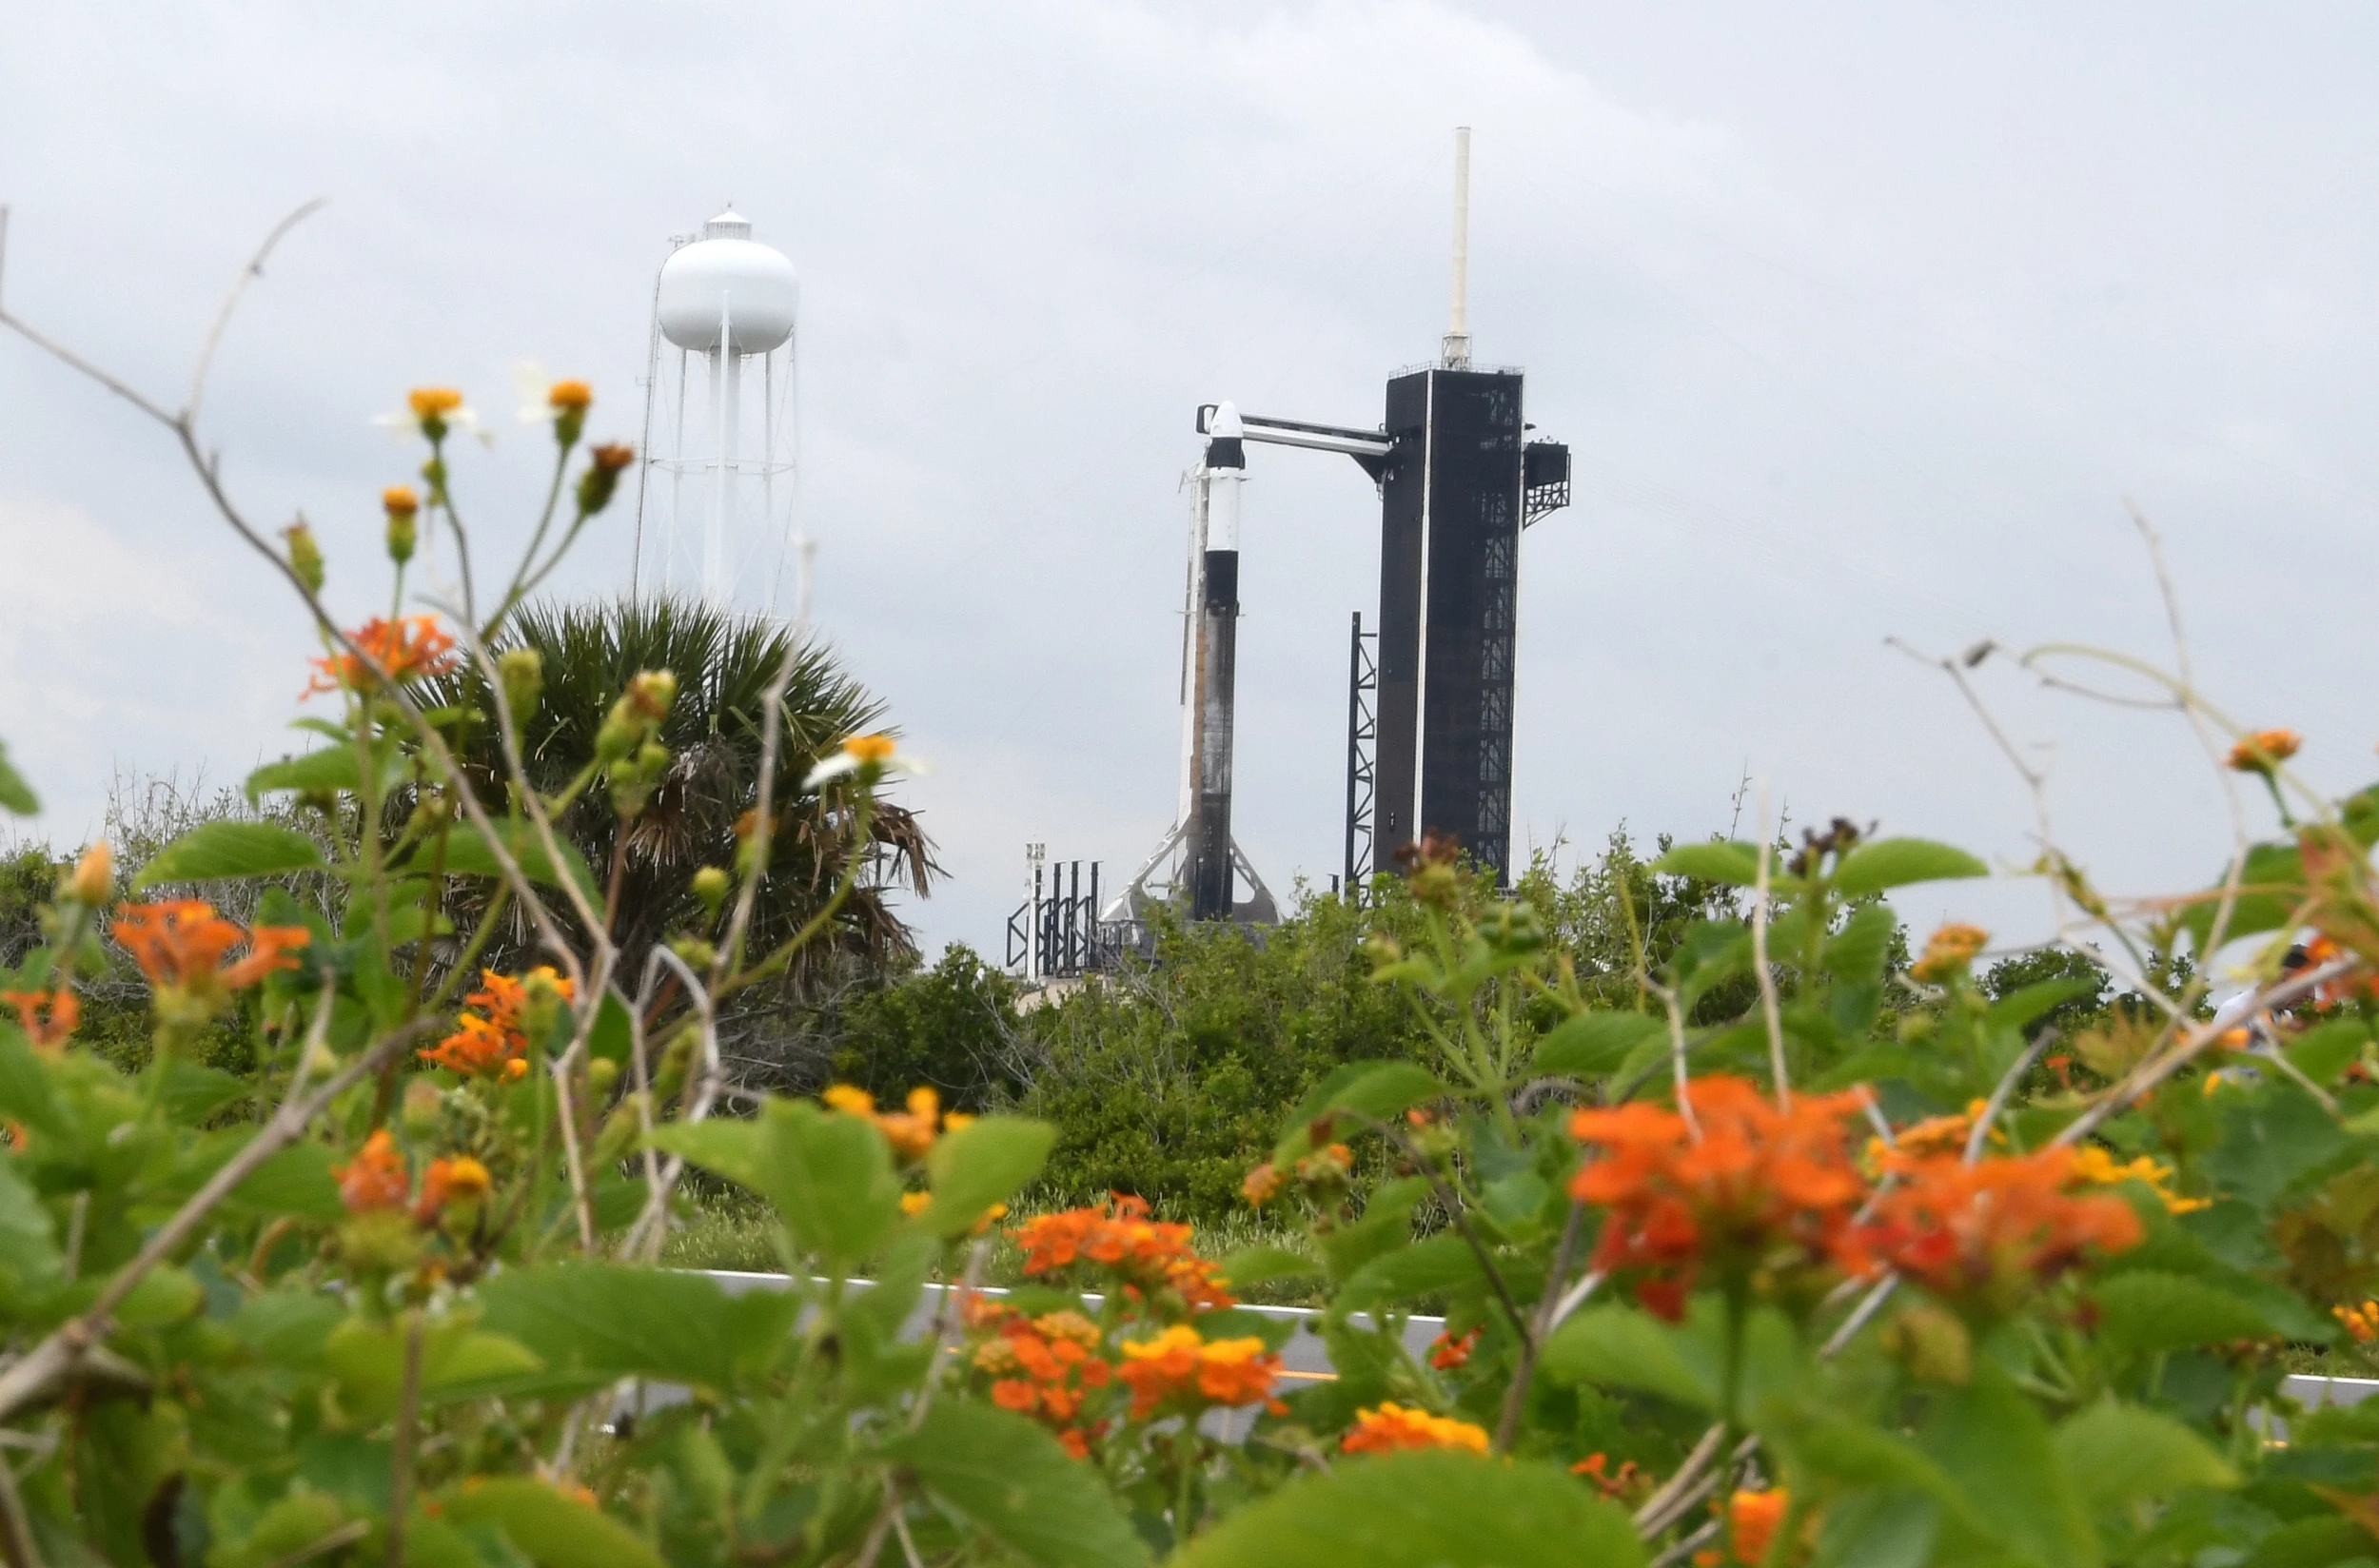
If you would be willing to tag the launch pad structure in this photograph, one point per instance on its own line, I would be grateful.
(1430, 688)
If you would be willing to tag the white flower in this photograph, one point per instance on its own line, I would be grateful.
(874, 751)
(427, 407)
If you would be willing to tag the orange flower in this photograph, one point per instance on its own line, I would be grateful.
(409, 648)
(399, 501)
(1983, 1235)
(1152, 1256)
(1393, 1426)
(2361, 1321)
(1046, 1367)
(181, 943)
(492, 1043)
(1448, 1353)
(570, 397)
(376, 1178)
(456, 1179)
(2265, 750)
(911, 1132)
(1752, 1518)
(1763, 1189)
(1177, 1367)
(430, 402)
(49, 1016)
(871, 748)
(1262, 1186)
(1948, 951)
(1595, 1467)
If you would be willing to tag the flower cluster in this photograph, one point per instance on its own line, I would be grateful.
(1448, 1353)
(1045, 1367)
(911, 1132)
(182, 945)
(1948, 951)
(1393, 1426)
(409, 648)
(1178, 1369)
(1983, 1235)
(493, 1041)
(1743, 1186)
(2360, 1322)
(1154, 1258)
(379, 1180)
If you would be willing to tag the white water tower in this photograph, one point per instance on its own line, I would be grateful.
(714, 499)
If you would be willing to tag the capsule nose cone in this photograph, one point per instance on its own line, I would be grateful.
(1226, 424)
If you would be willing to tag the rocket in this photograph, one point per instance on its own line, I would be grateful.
(1215, 697)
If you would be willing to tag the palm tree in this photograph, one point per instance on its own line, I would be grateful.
(723, 663)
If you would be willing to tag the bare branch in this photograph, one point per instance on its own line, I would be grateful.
(254, 270)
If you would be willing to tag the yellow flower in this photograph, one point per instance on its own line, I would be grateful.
(94, 877)
(2094, 1166)
(1948, 951)
(400, 501)
(916, 1203)
(570, 395)
(871, 755)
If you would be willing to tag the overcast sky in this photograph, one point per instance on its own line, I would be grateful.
(1862, 321)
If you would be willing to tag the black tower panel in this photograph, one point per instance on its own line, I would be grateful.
(1451, 512)
(1404, 490)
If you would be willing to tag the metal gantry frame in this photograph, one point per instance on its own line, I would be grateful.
(1363, 757)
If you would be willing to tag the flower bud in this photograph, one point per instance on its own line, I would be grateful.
(652, 762)
(569, 400)
(404, 508)
(652, 692)
(305, 557)
(698, 954)
(601, 478)
(601, 1074)
(92, 882)
(711, 885)
(424, 1107)
(524, 673)
(620, 733)
(542, 1000)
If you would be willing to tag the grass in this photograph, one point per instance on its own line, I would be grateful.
(732, 1230)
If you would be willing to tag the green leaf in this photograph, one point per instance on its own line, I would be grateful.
(2327, 1049)
(1375, 1090)
(2271, 886)
(554, 1530)
(829, 1175)
(2144, 1311)
(296, 1181)
(468, 855)
(368, 1361)
(1858, 952)
(1897, 862)
(2118, 1452)
(1426, 1509)
(607, 1321)
(1263, 1265)
(331, 768)
(1010, 1477)
(1620, 1347)
(222, 850)
(16, 796)
(2269, 1140)
(288, 1327)
(29, 1247)
(1993, 1441)
(984, 1163)
(1593, 1043)
(1719, 860)
(2019, 1008)
(1443, 1261)
(1386, 1224)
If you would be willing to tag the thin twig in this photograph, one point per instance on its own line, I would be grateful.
(1770, 1008)
(254, 270)
(1516, 1396)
